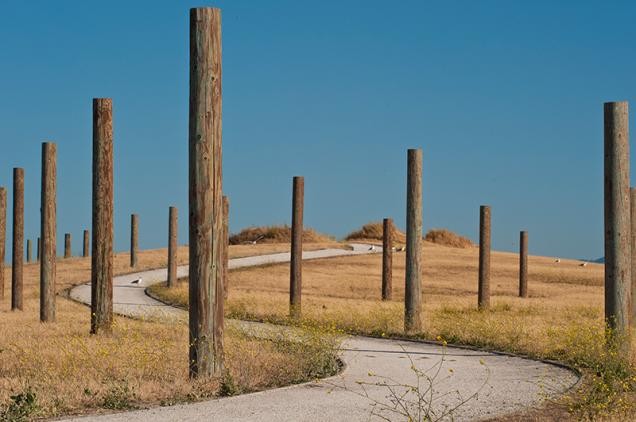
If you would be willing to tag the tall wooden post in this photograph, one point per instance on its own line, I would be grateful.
(3, 234)
(523, 264)
(205, 181)
(387, 259)
(134, 239)
(102, 244)
(172, 246)
(483, 294)
(29, 251)
(85, 248)
(632, 206)
(413, 282)
(48, 229)
(296, 270)
(618, 277)
(226, 245)
(18, 239)
(67, 245)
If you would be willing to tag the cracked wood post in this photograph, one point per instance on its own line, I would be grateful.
(3, 234)
(48, 228)
(618, 277)
(523, 264)
(18, 239)
(226, 245)
(632, 206)
(102, 243)
(67, 245)
(29, 251)
(483, 294)
(172, 246)
(134, 239)
(205, 191)
(296, 263)
(387, 259)
(413, 276)
(85, 249)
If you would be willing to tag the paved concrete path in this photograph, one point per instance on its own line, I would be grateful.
(491, 384)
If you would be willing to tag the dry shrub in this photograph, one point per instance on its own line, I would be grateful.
(276, 234)
(374, 231)
(448, 238)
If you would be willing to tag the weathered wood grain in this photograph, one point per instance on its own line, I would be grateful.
(48, 230)
(296, 263)
(413, 282)
(387, 259)
(17, 275)
(205, 191)
(102, 244)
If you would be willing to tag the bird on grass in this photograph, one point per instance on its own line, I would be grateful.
(583, 264)
(557, 260)
(136, 281)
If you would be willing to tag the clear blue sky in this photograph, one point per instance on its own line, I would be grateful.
(505, 99)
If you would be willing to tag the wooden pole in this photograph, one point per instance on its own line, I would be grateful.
(483, 294)
(523, 264)
(618, 277)
(296, 270)
(172, 246)
(48, 229)
(3, 234)
(102, 244)
(18, 239)
(413, 291)
(29, 251)
(67, 246)
(86, 248)
(134, 239)
(632, 206)
(387, 259)
(226, 245)
(205, 181)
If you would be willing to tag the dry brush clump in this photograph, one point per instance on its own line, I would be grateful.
(375, 231)
(276, 234)
(448, 238)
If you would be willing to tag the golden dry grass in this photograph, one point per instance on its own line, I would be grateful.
(448, 238)
(375, 231)
(562, 319)
(141, 363)
(276, 234)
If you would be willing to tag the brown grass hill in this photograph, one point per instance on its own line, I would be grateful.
(448, 238)
(275, 234)
(373, 231)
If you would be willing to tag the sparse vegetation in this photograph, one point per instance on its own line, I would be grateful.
(448, 238)
(561, 320)
(375, 232)
(48, 370)
(276, 234)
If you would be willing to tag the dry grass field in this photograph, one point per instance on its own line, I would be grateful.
(561, 320)
(54, 369)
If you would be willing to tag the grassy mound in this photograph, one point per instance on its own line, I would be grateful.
(448, 238)
(373, 231)
(276, 234)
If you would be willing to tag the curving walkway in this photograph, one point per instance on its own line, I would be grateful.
(493, 384)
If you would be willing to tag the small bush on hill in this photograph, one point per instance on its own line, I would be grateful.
(275, 234)
(448, 238)
(374, 231)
